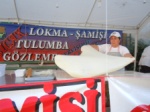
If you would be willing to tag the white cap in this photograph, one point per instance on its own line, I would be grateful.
(116, 34)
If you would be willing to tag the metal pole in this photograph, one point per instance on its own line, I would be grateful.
(136, 48)
(16, 11)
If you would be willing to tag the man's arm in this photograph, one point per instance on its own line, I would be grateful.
(128, 55)
(95, 47)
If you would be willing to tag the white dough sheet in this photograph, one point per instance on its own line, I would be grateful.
(90, 63)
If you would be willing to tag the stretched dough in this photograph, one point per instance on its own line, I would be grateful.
(90, 63)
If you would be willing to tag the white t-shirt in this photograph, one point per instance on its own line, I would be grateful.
(105, 48)
(145, 58)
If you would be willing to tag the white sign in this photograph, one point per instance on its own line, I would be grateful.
(130, 93)
(84, 95)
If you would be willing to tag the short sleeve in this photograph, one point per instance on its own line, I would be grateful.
(124, 50)
(104, 48)
(146, 51)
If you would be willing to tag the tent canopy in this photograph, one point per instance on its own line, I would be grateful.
(130, 14)
(107, 14)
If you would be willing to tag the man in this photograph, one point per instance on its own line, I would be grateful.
(145, 60)
(114, 48)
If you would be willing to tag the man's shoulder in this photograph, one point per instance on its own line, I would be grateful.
(124, 47)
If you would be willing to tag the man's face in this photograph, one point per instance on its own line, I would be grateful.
(115, 41)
